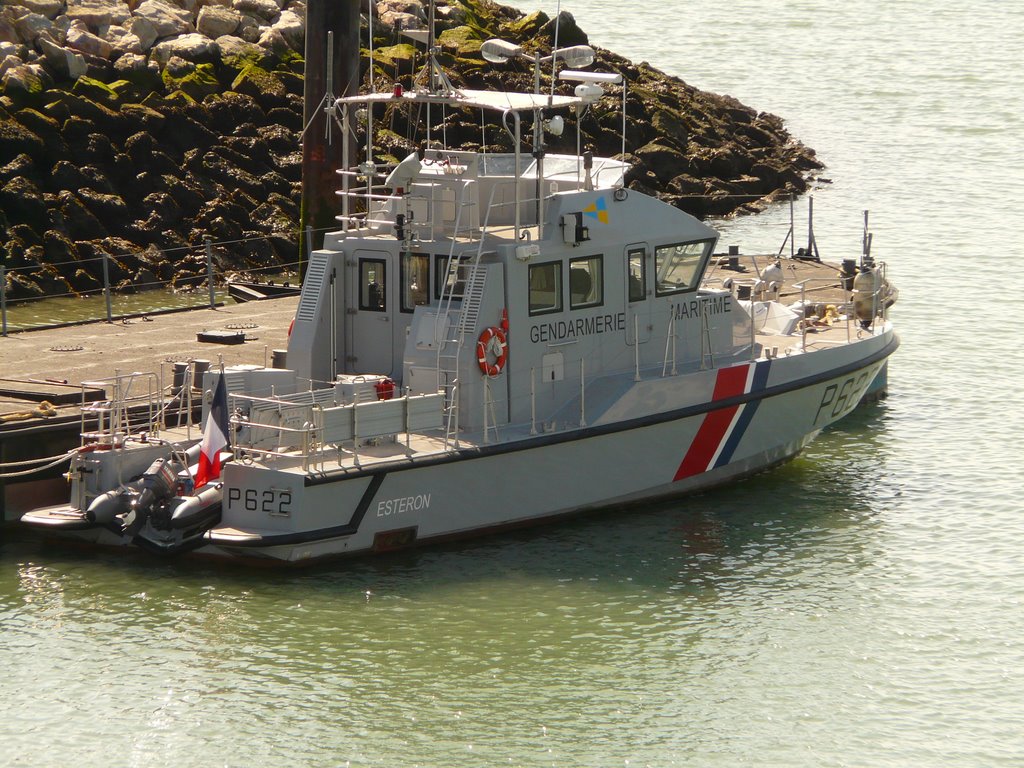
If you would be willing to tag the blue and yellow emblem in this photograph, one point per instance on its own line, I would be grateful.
(597, 210)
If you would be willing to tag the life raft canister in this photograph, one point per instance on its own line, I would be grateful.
(492, 341)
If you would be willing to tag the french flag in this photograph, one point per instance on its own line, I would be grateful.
(215, 437)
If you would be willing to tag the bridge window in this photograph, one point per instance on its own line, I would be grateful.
(679, 267)
(545, 288)
(414, 273)
(453, 281)
(586, 282)
(636, 269)
(372, 285)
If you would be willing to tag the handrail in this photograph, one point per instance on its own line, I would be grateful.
(113, 416)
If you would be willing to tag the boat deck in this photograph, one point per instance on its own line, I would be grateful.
(349, 459)
(56, 361)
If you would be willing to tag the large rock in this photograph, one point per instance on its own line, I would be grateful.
(272, 39)
(250, 28)
(292, 29)
(46, 129)
(196, 80)
(81, 39)
(78, 220)
(298, 7)
(214, 21)
(108, 208)
(66, 175)
(265, 87)
(63, 62)
(22, 166)
(139, 70)
(144, 29)
(31, 26)
(22, 201)
(8, 34)
(237, 53)
(166, 18)
(122, 41)
(48, 8)
(267, 10)
(98, 14)
(141, 116)
(58, 247)
(15, 138)
(192, 47)
(408, 7)
(9, 62)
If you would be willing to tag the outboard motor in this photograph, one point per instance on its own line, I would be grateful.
(156, 484)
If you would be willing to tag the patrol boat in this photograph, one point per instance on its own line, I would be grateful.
(494, 340)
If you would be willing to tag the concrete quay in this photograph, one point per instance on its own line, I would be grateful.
(39, 361)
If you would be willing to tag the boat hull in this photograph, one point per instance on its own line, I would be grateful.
(289, 517)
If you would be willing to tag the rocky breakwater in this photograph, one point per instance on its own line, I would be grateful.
(136, 130)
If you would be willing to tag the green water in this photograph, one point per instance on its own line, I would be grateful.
(641, 638)
(860, 606)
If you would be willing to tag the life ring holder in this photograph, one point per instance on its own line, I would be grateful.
(488, 339)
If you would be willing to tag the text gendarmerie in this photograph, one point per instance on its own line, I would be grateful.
(563, 330)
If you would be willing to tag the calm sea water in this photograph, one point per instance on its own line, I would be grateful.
(861, 606)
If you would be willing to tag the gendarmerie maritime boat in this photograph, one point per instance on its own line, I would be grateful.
(493, 340)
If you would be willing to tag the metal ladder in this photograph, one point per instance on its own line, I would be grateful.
(467, 287)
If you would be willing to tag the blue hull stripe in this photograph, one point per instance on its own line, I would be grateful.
(759, 383)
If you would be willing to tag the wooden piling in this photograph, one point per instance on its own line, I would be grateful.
(322, 158)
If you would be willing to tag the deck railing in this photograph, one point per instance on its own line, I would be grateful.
(310, 425)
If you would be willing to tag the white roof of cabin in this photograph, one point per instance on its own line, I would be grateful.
(496, 100)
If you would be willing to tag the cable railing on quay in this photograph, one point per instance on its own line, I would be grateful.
(214, 277)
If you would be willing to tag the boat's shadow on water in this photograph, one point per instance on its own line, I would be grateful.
(835, 488)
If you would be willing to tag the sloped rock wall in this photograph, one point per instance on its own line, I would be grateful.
(138, 129)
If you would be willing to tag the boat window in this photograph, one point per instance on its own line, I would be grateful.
(545, 287)
(636, 269)
(678, 267)
(372, 282)
(414, 272)
(586, 282)
(502, 164)
(446, 281)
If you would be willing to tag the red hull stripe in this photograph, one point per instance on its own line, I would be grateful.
(730, 383)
